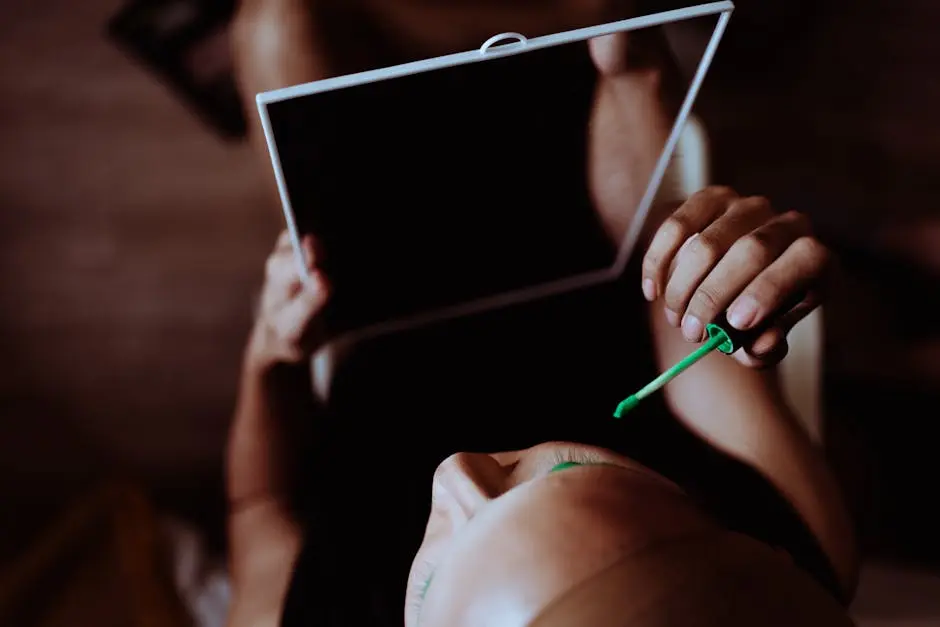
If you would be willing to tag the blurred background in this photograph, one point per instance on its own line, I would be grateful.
(134, 220)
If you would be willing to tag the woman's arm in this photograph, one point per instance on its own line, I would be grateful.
(741, 412)
(272, 420)
(715, 253)
(264, 536)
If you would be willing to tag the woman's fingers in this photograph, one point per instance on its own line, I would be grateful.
(720, 253)
(800, 269)
(285, 246)
(768, 349)
(698, 289)
(770, 346)
(284, 242)
(691, 218)
(294, 323)
(746, 241)
(283, 279)
(292, 300)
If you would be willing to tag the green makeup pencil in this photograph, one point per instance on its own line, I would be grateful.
(721, 337)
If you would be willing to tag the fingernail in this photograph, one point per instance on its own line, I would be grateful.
(692, 328)
(649, 289)
(742, 313)
(672, 317)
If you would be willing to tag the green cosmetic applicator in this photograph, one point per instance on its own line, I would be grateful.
(721, 337)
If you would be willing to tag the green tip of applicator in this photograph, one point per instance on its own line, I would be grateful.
(626, 405)
(718, 339)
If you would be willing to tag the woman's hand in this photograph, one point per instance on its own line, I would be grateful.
(286, 330)
(719, 253)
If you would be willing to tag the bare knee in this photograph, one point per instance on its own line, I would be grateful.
(274, 45)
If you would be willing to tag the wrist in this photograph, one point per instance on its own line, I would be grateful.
(259, 360)
(256, 365)
(264, 366)
(272, 375)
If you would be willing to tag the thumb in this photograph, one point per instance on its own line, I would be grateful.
(299, 321)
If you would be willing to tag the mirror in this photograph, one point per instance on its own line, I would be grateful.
(482, 179)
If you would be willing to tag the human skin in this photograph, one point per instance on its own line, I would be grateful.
(508, 540)
(506, 536)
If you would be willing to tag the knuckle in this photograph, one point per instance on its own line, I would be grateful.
(752, 207)
(676, 228)
(705, 301)
(675, 298)
(760, 205)
(749, 202)
(717, 191)
(793, 216)
(754, 248)
(651, 265)
(739, 206)
(765, 290)
(759, 202)
(451, 465)
(448, 465)
(811, 249)
(705, 249)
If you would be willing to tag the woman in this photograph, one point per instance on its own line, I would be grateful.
(329, 504)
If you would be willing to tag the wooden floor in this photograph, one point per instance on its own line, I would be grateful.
(131, 241)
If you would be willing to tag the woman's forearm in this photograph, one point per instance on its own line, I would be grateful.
(263, 530)
(274, 408)
(255, 446)
(274, 404)
(743, 414)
